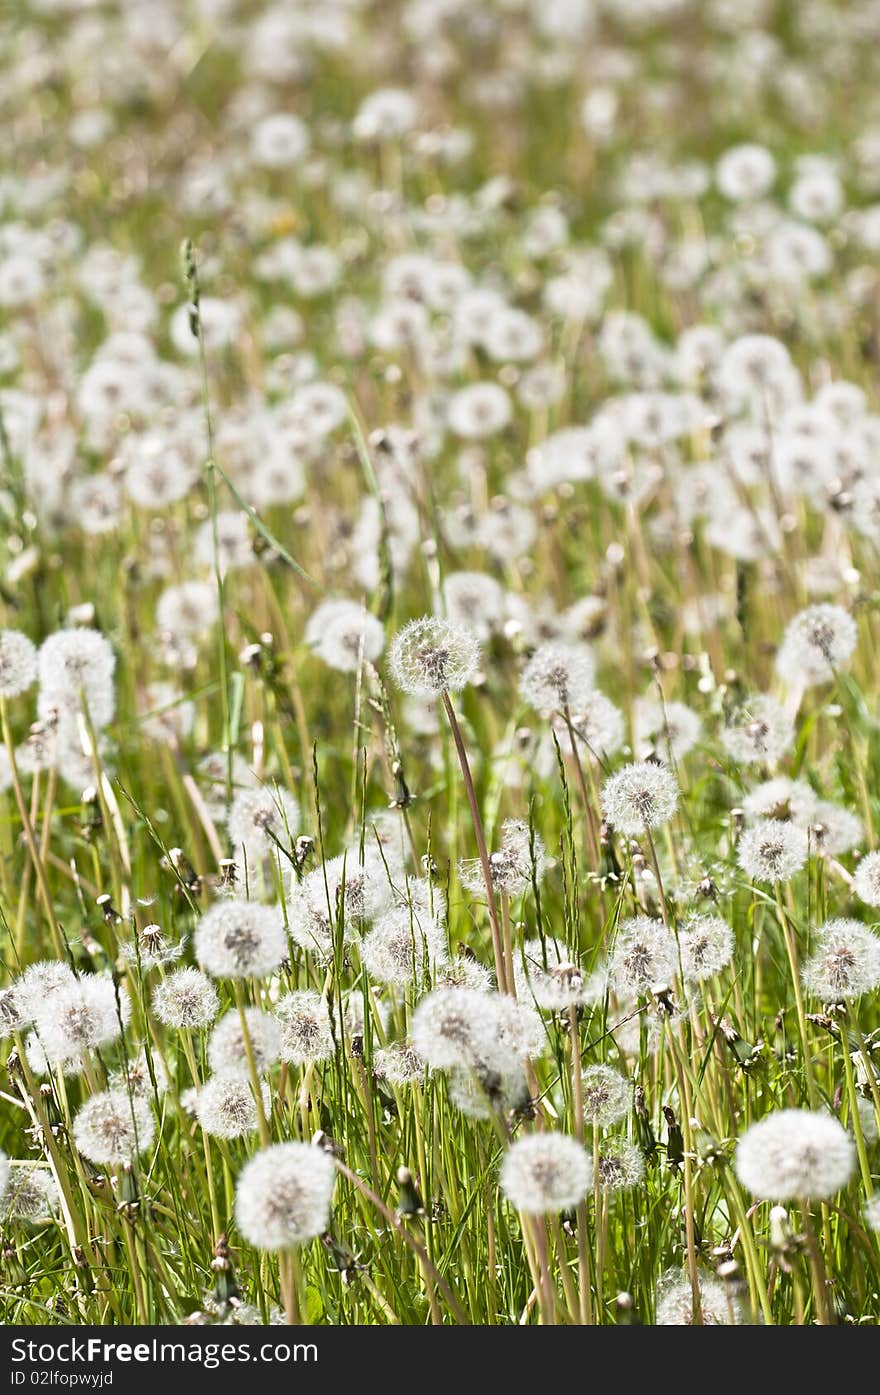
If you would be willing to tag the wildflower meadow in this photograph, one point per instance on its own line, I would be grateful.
(440, 663)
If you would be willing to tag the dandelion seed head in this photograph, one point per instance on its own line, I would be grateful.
(156, 472)
(399, 1063)
(745, 172)
(279, 141)
(868, 1120)
(457, 1027)
(706, 943)
(758, 732)
(39, 983)
(866, 881)
(259, 821)
(845, 962)
(621, 1166)
(402, 945)
(30, 1195)
(169, 717)
(644, 957)
(795, 1154)
(225, 1105)
(641, 795)
(309, 920)
(283, 1195)
(558, 675)
(480, 1093)
(306, 1034)
(545, 1173)
(18, 663)
(607, 1096)
(81, 1016)
(675, 1301)
(871, 1213)
(226, 1047)
(151, 949)
(75, 669)
(772, 851)
(135, 1076)
(782, 798)
(344, 635)
(512, 867)
(479, 410)
(598, 724)
(385, 115)
(669, 730)
(228, 537)
(431, 655)
(113, 1128)
(519, 1027)
(188, 611)
(834, 829)
(818, 642)
(240, 939)
(545, 974)
(186, 999)
(475, 600)
(464, 972)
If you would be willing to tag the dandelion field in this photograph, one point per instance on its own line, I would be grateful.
(440, 777)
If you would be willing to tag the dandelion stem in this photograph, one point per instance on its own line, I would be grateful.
(497, 940)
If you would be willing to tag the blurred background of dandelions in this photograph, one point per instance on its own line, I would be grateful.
(439, 773)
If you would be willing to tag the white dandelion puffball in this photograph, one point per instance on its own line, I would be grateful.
(75, 669)
(675, 1301)
(706, 943)
(459, 1027)
(559, 677)
(644, 956)
(279, 140)
(259, 820)
(479, 410)
(227, 1049)
(818, 642)
(187, 998)
(400, 1064)
(667, 729)
(758, 732)
(402, 945)
(18, 663)
(866, 882)
(607, 1096)
(240, 939)
(773, 850)
(845, 962)
(431, 655)
(30, 1195)
(344, 635)
(620, 1166)
(33, 989)
(306, 1033)
(641, 795)
(520, 858)
(745, 172)
(283, 1196)
(385, 115)
(795, 1155)
(545, 1173)
(85, 1013)
(545, 973)
(113, 1128)
(225, 1105)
